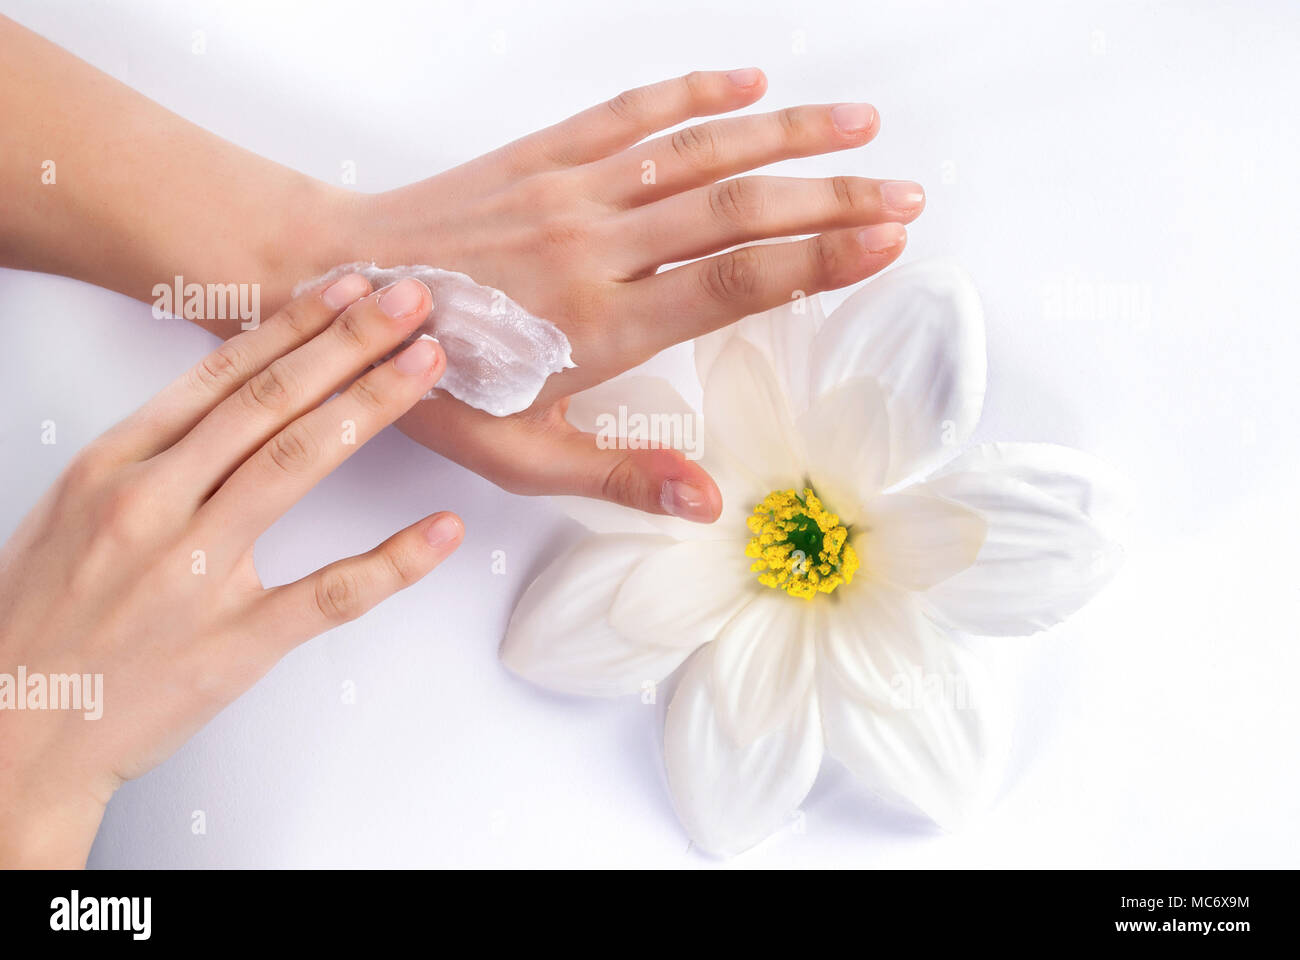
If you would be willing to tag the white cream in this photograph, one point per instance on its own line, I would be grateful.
(498, 354)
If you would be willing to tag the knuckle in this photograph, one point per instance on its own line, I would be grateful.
(273, 389)
(125, 512)
(299, 317)
(221, 369)
(737, 202)
(621, 484)
(366, 395)
(628, 106)
(401, 569)
(349, 328)
(732, 276)
(562, 235)
(850, 193)
(293, 450)
(88, 469)
(792, 122)
(338, 596)
(827, 256)
(697, 86)
(698, 147)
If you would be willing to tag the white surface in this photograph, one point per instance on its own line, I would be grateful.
(1148, 149)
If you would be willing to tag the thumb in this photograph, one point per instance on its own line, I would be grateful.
(660, 481)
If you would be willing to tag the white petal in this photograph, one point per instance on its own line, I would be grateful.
(1087, 483)
(846, 440)
(763, 665)
(919, 330)
(784, 336)
(747, 412)
(612, 410)
(559, 636)
(871, 635)
(930, 746)
(1041, 561)
(730, 797)
(915, 540)
(681, 596)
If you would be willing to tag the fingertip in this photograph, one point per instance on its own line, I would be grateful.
(882, 239)
(407, 299)
(345, 291)
(444, 532)
(750, 81)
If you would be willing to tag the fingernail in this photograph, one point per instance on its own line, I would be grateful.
(744, 78)
(342, 292)
(444, 530)
(403, 298)
(903, 196)
(881, 238)
(416, 359)
(682, 499)
(852, 118)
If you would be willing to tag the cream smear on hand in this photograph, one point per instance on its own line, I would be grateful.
(498, 354)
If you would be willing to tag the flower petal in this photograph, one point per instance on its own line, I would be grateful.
(746, 411)
(846, 439)
(730, 797)
(784, 335)
(1041, 561)
(682, 595)
(763, 665)
(1087, 483)
(869, 637)
(559, 636)
(930, 746)
(919, 330)
(915, 540)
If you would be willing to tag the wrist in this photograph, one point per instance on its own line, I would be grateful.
(47, 827)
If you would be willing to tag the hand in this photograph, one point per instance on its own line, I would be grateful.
(573, 222)
(138, 564)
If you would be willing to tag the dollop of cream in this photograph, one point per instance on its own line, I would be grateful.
(498, 354)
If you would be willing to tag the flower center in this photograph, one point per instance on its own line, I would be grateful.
(799, 546)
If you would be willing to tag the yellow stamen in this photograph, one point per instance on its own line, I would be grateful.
(799, 546)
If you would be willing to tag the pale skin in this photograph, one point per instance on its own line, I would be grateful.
(565, 221)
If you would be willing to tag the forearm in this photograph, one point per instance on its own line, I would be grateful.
(100, 183)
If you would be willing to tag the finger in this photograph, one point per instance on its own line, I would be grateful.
(632, 116)
(548, 456)
(702, 154)
(346, 589)
(691, 300)
(171, 414)
(712, 218)
(308, 449)
(295, 383)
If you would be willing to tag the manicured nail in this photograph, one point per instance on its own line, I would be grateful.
(416, 359)
(342, 292)
(403, 298)
(853, 118)
(902, 196)
(744, 78)
(445, 529)
(882, 238)
(682, 499)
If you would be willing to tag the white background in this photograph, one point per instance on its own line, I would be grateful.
(1120, 180)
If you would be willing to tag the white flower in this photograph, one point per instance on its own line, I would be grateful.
(824, 426)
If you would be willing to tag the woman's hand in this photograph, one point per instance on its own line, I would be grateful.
(137, 566)
(574, 221)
